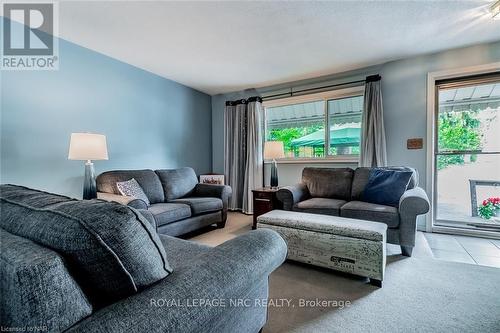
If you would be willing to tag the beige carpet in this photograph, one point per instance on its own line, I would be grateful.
(420, 294)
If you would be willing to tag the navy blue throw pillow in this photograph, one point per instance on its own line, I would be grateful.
(385, 186)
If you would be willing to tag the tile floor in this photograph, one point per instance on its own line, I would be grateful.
(472, 250)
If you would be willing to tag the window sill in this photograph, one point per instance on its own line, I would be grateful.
(332, 160)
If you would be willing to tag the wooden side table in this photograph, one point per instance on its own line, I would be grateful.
(264, 200)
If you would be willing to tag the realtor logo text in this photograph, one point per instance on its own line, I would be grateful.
(28, 36)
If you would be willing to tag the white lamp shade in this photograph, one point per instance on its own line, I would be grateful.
(274, 150)
(87, 146)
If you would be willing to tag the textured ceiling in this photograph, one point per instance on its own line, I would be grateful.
(218, 47)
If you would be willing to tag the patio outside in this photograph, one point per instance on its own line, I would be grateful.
(469, 123)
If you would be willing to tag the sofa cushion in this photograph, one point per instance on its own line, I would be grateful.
(111, 249)
(332, 183)
(131, 188)
(149, 181)
(201, 205)
(362, 174)
(37, 289)
(385, 187)
(177, 183)
(320, 206)
(371, 212)
(359, 182)
(165, 213)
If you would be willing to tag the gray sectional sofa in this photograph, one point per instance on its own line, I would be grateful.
(178, 203)
(339, 192)
(96, 266)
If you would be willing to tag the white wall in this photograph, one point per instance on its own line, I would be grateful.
(404, 97)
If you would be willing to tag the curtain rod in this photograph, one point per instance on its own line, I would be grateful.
(370, 78)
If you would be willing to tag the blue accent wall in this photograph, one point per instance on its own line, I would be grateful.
(149, 121)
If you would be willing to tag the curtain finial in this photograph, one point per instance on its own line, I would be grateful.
(244, 101)
(373, 78)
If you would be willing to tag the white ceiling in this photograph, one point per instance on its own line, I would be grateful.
(219, 47)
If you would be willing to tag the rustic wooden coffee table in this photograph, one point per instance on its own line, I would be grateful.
(348, 245)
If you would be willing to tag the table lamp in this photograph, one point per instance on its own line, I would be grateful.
(88, 147)
(272, 151)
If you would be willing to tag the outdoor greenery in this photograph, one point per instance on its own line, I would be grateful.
(288, 134)
(457, 131)
(489, 208)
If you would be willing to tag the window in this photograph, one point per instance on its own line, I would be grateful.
(300, 122)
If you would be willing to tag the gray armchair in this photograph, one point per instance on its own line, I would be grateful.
(339, 192)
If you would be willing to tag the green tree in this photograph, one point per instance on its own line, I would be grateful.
(457, 131)
(287, 135)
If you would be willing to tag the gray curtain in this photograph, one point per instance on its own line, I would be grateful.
(254, 161)
(373, 146)
(243, 151)
(235, 151)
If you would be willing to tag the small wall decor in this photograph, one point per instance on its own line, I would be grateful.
(416, 143)
(212, 179)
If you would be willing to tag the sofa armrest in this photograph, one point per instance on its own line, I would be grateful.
(230, 271)
(124, 200)
(290, 195)
(222, 192)
(209, 190)
(413, 202)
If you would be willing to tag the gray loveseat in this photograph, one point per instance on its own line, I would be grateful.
(339, 192)
(178, 203)
(97, 266)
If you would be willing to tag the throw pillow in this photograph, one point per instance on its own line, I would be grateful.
(131, 188)
(385, 187)
(177, 183)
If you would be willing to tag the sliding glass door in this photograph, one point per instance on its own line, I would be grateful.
(467, 153)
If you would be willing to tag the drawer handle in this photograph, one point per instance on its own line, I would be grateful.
(266, 200)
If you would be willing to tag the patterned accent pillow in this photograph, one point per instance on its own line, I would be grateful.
(131, 188)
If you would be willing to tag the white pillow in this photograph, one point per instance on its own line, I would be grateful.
(131, 188)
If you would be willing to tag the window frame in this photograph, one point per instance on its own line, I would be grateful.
(321, 96)
(432, 77)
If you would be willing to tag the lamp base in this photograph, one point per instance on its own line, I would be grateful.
(89, 185)
(274, 174)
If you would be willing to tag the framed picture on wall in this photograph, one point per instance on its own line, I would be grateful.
(212, 179)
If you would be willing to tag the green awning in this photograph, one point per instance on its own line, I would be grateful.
(344, 137)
